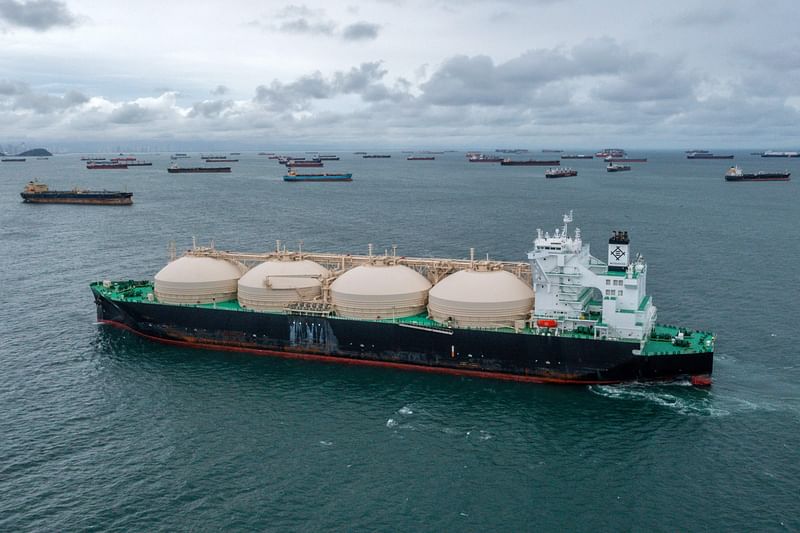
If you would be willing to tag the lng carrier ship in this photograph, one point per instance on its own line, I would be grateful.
(563, 316)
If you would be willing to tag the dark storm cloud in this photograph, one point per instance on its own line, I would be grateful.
(38, 15)
(20, 96)
(360, 31)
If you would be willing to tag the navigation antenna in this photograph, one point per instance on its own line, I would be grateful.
(567, 220)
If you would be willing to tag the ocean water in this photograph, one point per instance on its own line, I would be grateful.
(102, 430)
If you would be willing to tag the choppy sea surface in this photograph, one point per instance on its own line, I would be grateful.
(102, 430)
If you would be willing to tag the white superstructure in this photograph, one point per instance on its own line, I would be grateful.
(578, 290)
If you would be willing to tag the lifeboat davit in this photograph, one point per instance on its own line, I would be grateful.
(546, 323)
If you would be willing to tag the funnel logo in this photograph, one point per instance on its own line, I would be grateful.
(618, 253)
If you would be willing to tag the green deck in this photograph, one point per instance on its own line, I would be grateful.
(659, 344)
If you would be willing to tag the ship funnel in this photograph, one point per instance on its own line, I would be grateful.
(619, 256)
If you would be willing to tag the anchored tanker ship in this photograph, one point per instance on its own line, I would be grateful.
(563, 317)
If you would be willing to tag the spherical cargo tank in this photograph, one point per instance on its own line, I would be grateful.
(474, 298)
(375, 291)
(273, 285)
(197, 280)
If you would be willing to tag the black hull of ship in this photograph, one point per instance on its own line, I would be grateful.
(759, 177)
(97, 198)
(477, 353)
(532, 163)
(198, 170)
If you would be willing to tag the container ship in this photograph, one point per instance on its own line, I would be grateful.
(577, 156)
(562, 316)
(736, 174)
(39, 193)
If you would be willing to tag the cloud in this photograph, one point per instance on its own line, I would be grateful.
(594, 89)
(360, 31)
(364, 80)
(612, 71)
(210, 108)
(38, 15)
(302, 25)
(300, 19)
(19, 96)
(143, 110)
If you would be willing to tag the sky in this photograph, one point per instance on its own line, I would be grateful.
(400, 73)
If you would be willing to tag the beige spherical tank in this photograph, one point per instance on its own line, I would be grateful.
(273, 285)
(380, 291)
(197, 280)
(472, 298)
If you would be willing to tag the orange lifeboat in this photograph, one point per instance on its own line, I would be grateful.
(546, 323)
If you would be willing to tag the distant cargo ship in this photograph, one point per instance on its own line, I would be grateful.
(420, 158)
(39, 193)
(613, 167)
(302, 164)
(577, 156)
(770, 153)
(220, 160)
(482, 158)
(707, 155)
(530, 162)
(376, 156)
(626, 160)
(612, 152)
(100, 165)
(560, 172)
(328, 158)
(293, 176)
(140, 164)
(175, 169)
(736, 174)
(13, 160)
